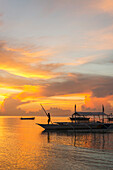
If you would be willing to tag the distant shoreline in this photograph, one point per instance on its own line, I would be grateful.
(30, 116)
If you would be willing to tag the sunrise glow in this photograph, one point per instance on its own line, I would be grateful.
(58, 54)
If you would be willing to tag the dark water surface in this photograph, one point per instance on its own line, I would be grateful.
(24, 145)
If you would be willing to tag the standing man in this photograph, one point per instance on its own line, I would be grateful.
(48, 118)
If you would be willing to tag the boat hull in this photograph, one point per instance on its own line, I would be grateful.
(94, 127)
(79, 119)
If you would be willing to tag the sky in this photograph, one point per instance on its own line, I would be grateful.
(57, 53)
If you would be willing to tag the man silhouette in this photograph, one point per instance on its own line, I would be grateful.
(48, 117)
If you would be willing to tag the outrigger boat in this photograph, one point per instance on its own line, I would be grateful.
(81, 123)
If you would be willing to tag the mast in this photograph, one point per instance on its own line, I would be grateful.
(75, 113)
(75, 108)
(103, 113)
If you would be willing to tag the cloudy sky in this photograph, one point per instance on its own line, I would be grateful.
(57, 53)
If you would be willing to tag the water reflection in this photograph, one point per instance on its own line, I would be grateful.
(87, 140)
(48, 137)
(23, 145)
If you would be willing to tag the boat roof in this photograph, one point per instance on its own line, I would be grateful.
(91, 113)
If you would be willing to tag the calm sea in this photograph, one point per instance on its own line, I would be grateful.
(24, 145)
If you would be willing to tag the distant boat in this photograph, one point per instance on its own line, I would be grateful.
(27, 118)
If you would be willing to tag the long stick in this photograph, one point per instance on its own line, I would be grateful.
(44, 110)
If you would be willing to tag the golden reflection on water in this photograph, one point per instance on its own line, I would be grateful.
(1, 127)
(96, 141)
(24, 145)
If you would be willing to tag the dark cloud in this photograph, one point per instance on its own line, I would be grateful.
(100, 86)
(88, 109)
(104, 88)
(54, 111)
(50, 67)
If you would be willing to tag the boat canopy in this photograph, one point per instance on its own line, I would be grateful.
(91, 113)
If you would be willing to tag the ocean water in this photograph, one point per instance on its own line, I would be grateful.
(24, 145)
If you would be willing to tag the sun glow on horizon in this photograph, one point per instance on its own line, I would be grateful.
(51, 62)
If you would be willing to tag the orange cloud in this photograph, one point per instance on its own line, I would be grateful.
(106, 5)
(99, 86)
(95, 104)
(25, 63)
(30, 92)
(83, 60)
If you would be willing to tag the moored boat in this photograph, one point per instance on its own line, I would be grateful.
(82, 127)
(80, 123)
(27, 118)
